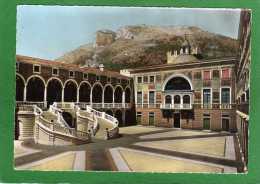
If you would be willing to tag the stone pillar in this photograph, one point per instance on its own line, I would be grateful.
(78, 95)
(113, 98)
(103, 98)
(90, 100)
(24, 92)
(62, 95)
(181, 105)
(123, 117)
(45, 96)
(123, 99)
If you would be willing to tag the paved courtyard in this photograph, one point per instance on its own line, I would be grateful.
(140, 149)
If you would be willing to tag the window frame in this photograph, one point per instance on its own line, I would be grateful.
(154, 98)
(230, 94)
(229, 73)
(57, 71)
(137, 79)
(36, 65)
(73, 76)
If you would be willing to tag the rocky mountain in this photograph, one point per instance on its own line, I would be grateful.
(143, 45)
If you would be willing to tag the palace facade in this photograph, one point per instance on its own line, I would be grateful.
(187, 92)
(43, 82)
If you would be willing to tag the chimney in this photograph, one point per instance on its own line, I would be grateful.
(101, 67)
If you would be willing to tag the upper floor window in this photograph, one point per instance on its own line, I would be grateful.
(151, 80)
(139, 97)
(225, 95)
(139, 79)
(71, 73)
(118, 80)
(108, 79)
(197, 75)
(55, 71)
(215, 74)
(206, 96)
(36, 69)
(17, 66)
(206, 75)
(145, 79)
(225, 73)
(85, 75)
(151, 97)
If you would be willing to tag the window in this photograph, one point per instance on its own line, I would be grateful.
(145, 79)
(98, 78)
(206, 96)
(17, 66)
(139, 97)
(71, 73)
(206, 75)
(225, 95)
(151, 79)
(225, 73)
(151, 97)
(55, 71)
(151, 118)
(168, 99)
(85, 75)
(118, 80)
(215, 74)
(139, 79)
(206, 121)
(36, 69)
(197, 75)
(139, 117)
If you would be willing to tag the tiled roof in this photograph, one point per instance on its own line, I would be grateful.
(97, 71)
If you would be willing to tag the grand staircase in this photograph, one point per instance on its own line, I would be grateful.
(52, 127)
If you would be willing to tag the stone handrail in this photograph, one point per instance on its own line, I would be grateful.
(22, 103)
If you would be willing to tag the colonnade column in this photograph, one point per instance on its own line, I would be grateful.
(78, 95)
(45, 96)
(24, 92)
(123, 98)
(103, 98)
(90, 100)
(62, 95)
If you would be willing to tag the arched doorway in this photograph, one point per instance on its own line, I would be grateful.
(108, 94)
(70, 91)
(54, 91)
(118, 95)
(118, 116)
(97, 91)
(19, 88)
(35, 89)
(127, 95)
(84, 92)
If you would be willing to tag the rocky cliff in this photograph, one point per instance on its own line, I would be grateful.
(144, 45)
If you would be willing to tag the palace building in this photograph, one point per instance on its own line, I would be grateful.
(43, 82)
(187, 92)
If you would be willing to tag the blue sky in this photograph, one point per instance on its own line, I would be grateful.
(50, 31)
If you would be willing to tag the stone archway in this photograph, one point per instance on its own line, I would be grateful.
(35, 89)
(108, 94)
(20, 85)
(84, 92)
(118, 95)
(97, 91)
(54, 91)
(70, 91)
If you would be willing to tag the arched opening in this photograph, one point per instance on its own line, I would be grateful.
(84, 92)
(110, 112)
(97, 93)
(54, 91)
(69, 119)
(70, 92)
(118, 116)
(35, 90)
(177, 84)
(118, 95)
(108, 94)
(127, 95)
(186, 99)
(177, 99)
(19, 88)
(168, 99)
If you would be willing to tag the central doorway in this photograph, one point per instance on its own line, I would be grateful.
(177, 120)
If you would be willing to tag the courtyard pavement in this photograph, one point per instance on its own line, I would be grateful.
(140, 149)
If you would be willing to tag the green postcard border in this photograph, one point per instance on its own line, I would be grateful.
(7, 102)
